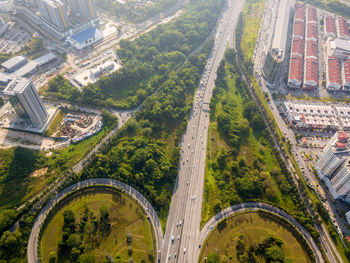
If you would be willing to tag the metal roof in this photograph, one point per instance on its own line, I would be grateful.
(13, 62)
(84, 35)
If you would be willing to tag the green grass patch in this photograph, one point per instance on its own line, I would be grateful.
(126, 216)
(255, 228)
(55, 122)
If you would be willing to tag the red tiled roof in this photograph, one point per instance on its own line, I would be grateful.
(340, 145)
(343, 136)
(311, 14)
(334, 72)
(298, 46)
(311, 30)
(296, 68)
(299, 28)
(346, 63)
(299, 12)
(330, 25)
(311, 70)
(311, 48)
(343, 26)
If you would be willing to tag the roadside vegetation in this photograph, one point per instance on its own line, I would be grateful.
(254, 237)
(131, 12)
(241, 163)
(55, 123)
(23, 174)
(99, 225)
(147, 61)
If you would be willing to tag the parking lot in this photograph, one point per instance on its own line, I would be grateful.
(13, 40)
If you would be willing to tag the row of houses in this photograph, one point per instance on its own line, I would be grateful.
(306, 115)
(338, 49)
(303, 66)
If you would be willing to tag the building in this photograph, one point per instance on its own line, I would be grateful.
(330, 27)
(312, 49)
(311, 14)
(275, 56)
(85, 38)
(346, 75)
(26, 102)
(299, 14)
(54, 12)
(14, 63)
(96, 72)
(311, 74)
(343, 29)
(339, 48)
(85, 8)
(311, 31)
(333, 167)
(333, 73)
(306, 116)
(59, 18)
(299, 29)
(297, 47)
(295, 72)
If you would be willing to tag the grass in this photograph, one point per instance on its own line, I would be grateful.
(254, 228)
(55, 122)
(252, 15)
(254, 146)
(17, 164)
(124, 218)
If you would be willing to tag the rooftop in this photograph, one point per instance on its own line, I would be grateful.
(296, 68)
(311, 70)
(330, 25)
(346, 64)
(299, 29)
(312, 30)
(311, 48)
(343, 27)
(16, 86)
(84, 35)
(281, 25)
(12, 62)
(311, 14)
(298, 46)
(334, 72)
(299, 12)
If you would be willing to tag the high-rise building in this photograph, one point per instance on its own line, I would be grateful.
(85, 8)
(26, 102)
(54, 11)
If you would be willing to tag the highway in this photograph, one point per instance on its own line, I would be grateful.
(183, 225)
(228, 212)
(32, 246)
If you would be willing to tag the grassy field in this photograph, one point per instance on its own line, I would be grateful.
(253, 147)
(254, 228)
(55, 122)
(252, 15)
(124, 218)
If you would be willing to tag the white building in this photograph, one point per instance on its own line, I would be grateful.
(85, 38)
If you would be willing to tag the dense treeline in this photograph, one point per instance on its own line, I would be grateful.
(145, 154)
(148, 60)
(131, 12)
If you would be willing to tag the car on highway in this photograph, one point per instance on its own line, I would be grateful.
(172, 238)
(184, 250)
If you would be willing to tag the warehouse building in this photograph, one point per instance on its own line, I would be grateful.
(14, 63)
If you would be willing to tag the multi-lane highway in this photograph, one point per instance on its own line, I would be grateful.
(183, 225)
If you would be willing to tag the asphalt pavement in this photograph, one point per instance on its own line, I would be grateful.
(183, 225)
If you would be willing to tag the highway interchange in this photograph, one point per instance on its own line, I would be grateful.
(182, 238)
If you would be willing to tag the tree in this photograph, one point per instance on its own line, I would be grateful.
(52, 257)
(274, 254)
(213, 258)
(73, 241)
(10, 243)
